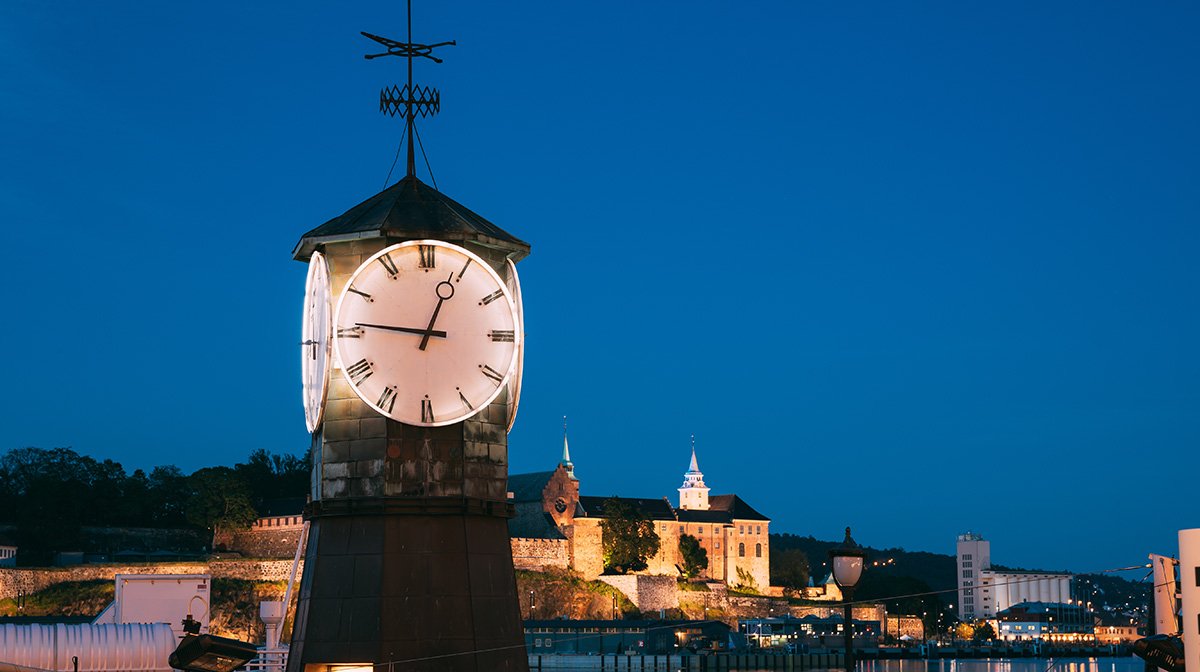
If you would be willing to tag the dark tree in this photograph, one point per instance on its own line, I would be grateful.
(693, 556)
(983, 632)
(167, 496)
(789, 569)
(629, 538)
(51, 489)
(272, 476)
(220, 501)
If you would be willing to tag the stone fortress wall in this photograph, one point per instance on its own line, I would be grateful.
(538, 554)
(268, 537)
(14, 581)
(647, 593)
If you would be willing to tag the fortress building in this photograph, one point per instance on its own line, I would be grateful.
(556, 526)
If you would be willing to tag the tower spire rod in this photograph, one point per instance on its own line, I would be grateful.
(408, 107)
(566, 458)
(410, 99)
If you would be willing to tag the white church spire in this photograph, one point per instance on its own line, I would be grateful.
(566, 456)
(693, 494)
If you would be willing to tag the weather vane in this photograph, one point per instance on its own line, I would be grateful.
(409, 99)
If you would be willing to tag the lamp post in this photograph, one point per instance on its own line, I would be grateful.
(847, 561)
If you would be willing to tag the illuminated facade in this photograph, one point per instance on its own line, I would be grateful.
(984, 592)
(1045, 621)
(550, 510)
(1117, 630)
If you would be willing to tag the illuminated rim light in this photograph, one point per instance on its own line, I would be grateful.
(518, 329)
(514, 396)
(317, 318)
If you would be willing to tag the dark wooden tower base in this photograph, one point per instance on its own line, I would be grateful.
(427, 582)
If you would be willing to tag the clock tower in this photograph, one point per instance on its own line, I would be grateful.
(412, 348)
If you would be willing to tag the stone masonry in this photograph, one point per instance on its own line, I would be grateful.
(30, 580)
(539, 554)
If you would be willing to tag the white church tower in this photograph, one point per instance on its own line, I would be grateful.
(693, 494)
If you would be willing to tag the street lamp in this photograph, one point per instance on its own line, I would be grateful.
(847, 561)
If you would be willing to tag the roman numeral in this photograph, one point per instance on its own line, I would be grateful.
(427, 411)
(359, 371)
(360, 293)
(491, 373)
(349, 332)
(464, 399)
(389, 265)
(502, 335)
(387, 400)
(464, 269)
(491, 297)
(427, 254)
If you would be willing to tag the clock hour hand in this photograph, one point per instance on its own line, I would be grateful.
(408, 330)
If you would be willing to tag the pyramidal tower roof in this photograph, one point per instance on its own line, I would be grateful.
(693, 478)
(566, 455)
(411, 209)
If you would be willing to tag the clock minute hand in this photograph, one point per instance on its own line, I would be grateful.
(449, 289)
(407, 330)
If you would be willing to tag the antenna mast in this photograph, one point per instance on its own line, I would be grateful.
(409, 99)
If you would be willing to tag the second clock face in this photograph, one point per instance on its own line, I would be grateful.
(426, 333)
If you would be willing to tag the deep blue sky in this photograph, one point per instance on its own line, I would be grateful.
(943, 253)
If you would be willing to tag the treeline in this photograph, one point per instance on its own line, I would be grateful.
(908, 582)
(50, 495)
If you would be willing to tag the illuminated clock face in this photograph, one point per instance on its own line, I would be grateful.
(426, 333)
(314, 340)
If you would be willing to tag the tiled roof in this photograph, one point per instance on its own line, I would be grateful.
(654, 509)
(533, 524)
(737, 507)
(528, 487)
(697, 516)
(410, 209)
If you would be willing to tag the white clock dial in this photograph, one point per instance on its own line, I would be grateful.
(514, 383)
(314, 340)
(426, 333)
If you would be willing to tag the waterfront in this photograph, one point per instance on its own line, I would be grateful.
(1122, 664)
(767, 663)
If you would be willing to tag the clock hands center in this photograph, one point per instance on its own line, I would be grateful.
(407, 330)
(444, 291)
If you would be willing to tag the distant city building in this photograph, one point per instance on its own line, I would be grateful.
(8, 552)
(825, 591)
(984, 592)
(639, 637)
(810, 630)
(1116, 629)
(556, 526)
(1045, 621)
